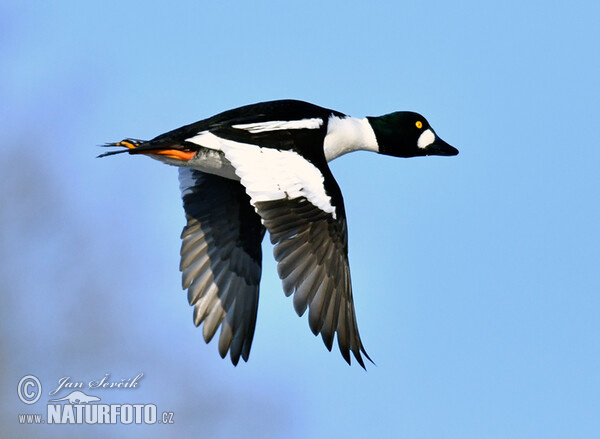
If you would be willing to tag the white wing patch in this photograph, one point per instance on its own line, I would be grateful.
(275, 125)
(270, 174)
(207, 140)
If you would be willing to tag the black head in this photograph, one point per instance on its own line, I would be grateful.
(408, 134)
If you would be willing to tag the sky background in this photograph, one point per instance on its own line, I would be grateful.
(476, 278)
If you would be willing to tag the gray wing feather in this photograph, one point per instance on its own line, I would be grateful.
(221, 259)
(311, 251)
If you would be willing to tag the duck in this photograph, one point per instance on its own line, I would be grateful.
(264, 167)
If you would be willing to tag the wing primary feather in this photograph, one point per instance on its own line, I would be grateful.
(307, 289)
(198, 287)
(287, 265)
(220, 259)
(331, 316)
(191, 272)
(297, 276)
(316, 307)
(187, 257)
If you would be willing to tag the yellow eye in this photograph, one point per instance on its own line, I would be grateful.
(419, 124)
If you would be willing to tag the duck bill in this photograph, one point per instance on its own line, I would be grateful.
(439, 147)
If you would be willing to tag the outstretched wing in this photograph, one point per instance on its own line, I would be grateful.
(302, 207)
(221, 259)
(312, 256)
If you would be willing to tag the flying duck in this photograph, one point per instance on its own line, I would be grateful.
(264, 167)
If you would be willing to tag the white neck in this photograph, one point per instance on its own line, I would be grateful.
(346, 134)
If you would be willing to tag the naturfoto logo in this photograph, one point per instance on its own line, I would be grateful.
(79, 407)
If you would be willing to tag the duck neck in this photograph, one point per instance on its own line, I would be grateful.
(347, 134)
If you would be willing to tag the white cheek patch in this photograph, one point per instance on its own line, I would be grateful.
(425, 139)
(275, 125)
(270, 174)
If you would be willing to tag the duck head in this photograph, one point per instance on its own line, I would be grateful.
(408, 134)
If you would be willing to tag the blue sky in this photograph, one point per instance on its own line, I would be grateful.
(475, 277)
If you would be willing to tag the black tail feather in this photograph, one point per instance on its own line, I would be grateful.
(130, 145)
(136, 146)
(106, 154)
